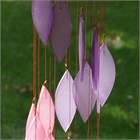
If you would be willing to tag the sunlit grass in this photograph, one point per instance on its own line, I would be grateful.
(119, 116)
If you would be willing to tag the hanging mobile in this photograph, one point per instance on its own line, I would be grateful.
(60, 34)
(84, 96)
(42, 15)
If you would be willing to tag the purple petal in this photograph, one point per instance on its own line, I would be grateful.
(64, 102)
(107, 74)
(85, 98)
(81, 46)
(42, 18)
(95, 59)
(61, 30)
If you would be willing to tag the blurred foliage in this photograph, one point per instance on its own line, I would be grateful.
(119, 116)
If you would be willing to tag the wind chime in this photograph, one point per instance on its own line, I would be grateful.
(93, 82)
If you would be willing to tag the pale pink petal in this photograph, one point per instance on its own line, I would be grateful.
(30, 117)
(106, 75)
(45, 108)
(36, 130)
(83, 92)
(64, 102)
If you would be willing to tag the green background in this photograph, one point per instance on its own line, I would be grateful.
(119, 116)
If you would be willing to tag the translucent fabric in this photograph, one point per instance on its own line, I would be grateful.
(81, 46)
(40, 126)
(60, 34)
(45, 109)
(107, 74)
(36, 130)
(30, 117)
(85, 98)
(95, 59)
(64, 101)
(42, 16)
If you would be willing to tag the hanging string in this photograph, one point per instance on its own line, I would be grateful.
(45, 65)
(101, 17)
(92, 23)
(50, 69)
(101, 33)
(54, 84)
(34, 75)
(34, 68)
(38, 65)
(97, 9)
(98, 126)
(77, 8)
(66, 57)
(89, 104)
(71, 20)
(86, 17)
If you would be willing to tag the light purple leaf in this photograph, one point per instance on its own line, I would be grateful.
(64, 102)
(81, 46)
(42, 18)
(85, 98)
(107, 74)
(60, 34)
(95, 59)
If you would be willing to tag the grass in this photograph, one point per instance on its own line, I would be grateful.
(119, 116)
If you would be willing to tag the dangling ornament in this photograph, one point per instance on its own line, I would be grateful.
(42, 16)
(106, 74)
(84, 96)
(60, 34)
(40, 125)
(64, 102)
(45, 108)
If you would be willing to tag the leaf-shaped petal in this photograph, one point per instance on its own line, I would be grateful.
(30, 117)
(81, 46)
(45, 109)
(61, 30)
(85, 98)
(36, 130)
(95, 59)
(107, 74)
(64, 102)
(42, 18)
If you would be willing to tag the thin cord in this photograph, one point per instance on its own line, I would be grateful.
(38, 65)
(101, 17)
(98, 126)
(34, 75)
(54, 85)
(50, 69)
(66, 57)
(86, 17)
(68, 63)
(86, 25)
(71, 18)
(34, 68)
(92, 23)
(45, 65)
(77, 7)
